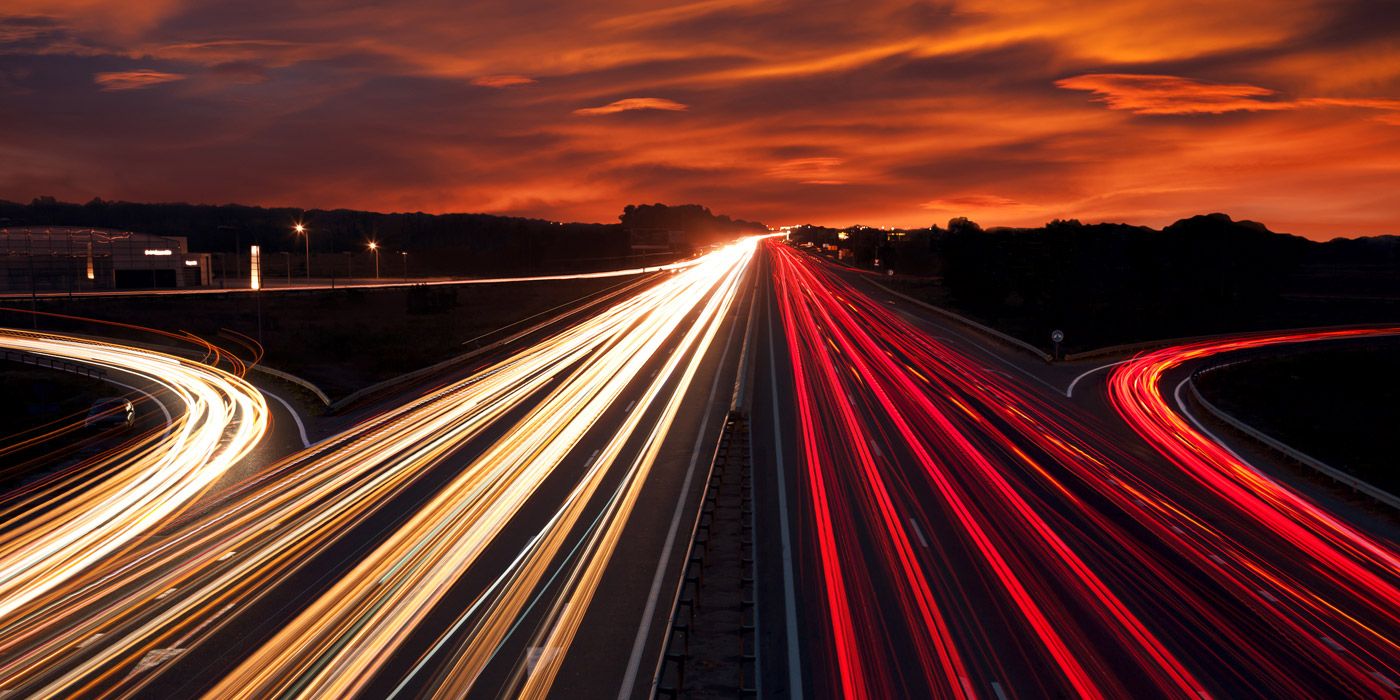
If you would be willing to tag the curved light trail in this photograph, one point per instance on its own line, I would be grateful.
(70, 524)
(968, 534)
(164, 599)
(962, 533)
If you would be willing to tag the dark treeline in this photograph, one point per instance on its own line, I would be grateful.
(437, 243)
(1109, 283)
(693, 224)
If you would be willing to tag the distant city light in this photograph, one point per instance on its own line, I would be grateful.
(158, 251)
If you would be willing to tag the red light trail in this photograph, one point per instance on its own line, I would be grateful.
(1014, 545)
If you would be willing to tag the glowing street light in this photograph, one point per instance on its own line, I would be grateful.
(374, 248)
(404, 255)
(300, 230)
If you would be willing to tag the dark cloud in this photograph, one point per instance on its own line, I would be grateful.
(883, 112)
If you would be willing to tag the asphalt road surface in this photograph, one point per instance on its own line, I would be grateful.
(512, 533)
(936, 517)
(941, 523)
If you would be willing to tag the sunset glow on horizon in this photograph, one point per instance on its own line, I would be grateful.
(885, 113)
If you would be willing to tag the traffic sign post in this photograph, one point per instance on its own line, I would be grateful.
(1056, 337)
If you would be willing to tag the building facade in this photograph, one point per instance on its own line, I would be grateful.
(69, 258)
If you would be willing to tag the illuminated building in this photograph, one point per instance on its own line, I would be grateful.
(58, 258)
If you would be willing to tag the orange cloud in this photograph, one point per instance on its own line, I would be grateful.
(632, 104)
(970, 202)
(809, 171)
(1169, 94)
(134, 79)
(891, 100)
(502, 81)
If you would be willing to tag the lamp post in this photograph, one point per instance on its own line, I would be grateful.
(301, 231)
(374, 248)
(255, 282)
(404, 255)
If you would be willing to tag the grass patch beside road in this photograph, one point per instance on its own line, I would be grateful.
(1339, 404)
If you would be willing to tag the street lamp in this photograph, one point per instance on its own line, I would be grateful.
(374, 248)
(404, 254)
(300, 230)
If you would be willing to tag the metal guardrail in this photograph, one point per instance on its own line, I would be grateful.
(54, 363)
(287, 377)
(729, 479)
(1335, 474)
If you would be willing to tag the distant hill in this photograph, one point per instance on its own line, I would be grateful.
(1108, 283)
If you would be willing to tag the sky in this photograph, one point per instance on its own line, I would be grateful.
(878, 112)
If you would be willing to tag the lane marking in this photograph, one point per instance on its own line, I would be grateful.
(967, 687)
(630, 404)
(1267, 596)
(536, 655)
(996, 688)
(1332, 643)
(301, 427)
(794, 662)
(874, 447)
(1181, 408)
(591, 457)
(156, 657)
(1069, 392)
(1385, 680)
(634, 661)
(918, 533)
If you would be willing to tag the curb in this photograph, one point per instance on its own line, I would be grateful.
(320, 395)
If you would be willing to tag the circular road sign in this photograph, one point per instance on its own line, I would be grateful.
(1057, 336)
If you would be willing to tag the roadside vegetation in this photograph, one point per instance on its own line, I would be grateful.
(1110, 284)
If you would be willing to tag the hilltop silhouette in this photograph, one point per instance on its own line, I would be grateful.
(1110, 283)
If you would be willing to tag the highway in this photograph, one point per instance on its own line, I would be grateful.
(934, 517)
(463, 541)
(68, 523)
(935, 526)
